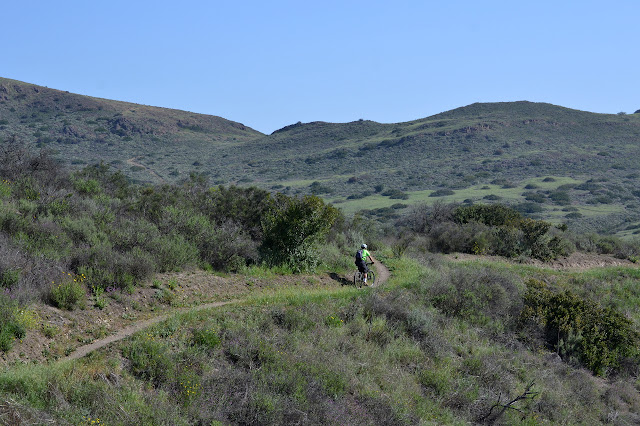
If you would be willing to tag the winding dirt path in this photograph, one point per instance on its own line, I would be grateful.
(382, 275)
(382, 272)
(134, 328)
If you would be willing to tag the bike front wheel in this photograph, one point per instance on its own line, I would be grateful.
(371, 278)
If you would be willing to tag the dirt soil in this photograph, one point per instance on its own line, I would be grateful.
(382, 273)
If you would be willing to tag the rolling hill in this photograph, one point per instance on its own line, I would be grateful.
(84, 130)
(552, 162)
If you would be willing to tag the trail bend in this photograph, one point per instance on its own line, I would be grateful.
(382, 273)
(134, 328)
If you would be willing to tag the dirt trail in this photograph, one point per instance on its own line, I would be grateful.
(575, 262)
(128, 331)
(382, 276)
(382, 272)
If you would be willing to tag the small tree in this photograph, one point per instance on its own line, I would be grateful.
(292, 227)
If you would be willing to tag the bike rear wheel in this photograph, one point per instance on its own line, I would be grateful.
(357, 279)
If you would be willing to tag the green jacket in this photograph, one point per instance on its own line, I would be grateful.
(365, 255)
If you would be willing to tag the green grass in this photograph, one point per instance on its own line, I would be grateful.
(551, 212)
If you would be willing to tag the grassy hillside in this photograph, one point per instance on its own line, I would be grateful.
(398, 355)
(561, 164)
(85, 254)
(552, 162)
(84, 130)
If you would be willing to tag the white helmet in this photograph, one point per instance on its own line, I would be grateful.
(364, 246)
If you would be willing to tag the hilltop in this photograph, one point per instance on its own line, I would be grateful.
(85, 130)
(552, 162)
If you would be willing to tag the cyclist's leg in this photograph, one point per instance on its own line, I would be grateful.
(362, 270)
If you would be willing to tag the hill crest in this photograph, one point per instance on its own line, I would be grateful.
(481, 150)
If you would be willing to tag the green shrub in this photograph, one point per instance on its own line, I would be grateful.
(5, 188)
(6, 339)
(206, 337)
(441, 193)
(82, 230)
(510, 234)
(536, 197)
(126, 234)
(292, 319)
(492, 197)
(480, 295)
(292, 228)
(560, 198)
(528, 208)
(67, 294)
(229, 247)
(150, 359)
(579, 329)
(9, 277)
(489, 214)
(395, 194)
(16, 319)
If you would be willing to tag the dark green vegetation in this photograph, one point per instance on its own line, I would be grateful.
(63, 233)
(496, 229)
(558, 164)
(600, 338)
(492, 229)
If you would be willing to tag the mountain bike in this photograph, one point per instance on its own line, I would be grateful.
(358, 278)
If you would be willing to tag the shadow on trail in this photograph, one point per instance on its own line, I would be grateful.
(339, 278)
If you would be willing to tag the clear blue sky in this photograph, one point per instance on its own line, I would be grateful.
(271, 63)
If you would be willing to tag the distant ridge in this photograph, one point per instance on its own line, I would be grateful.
(480, 152)
(85, 129)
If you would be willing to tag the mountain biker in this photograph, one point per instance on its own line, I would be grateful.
(361, 261)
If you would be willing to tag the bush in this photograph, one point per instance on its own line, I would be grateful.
(579, 329)
(560, 198)
(535, 197)
(228, 247)
(492, 197)
(16, 319)
(291, 229)
(479, 295)
(528, 208)
(395, 194)
(150, 359)
(510, 234)
(441, 193)
(67, 294)
(9, 277)
(172, 252)
(206, 337)
(491, 214)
